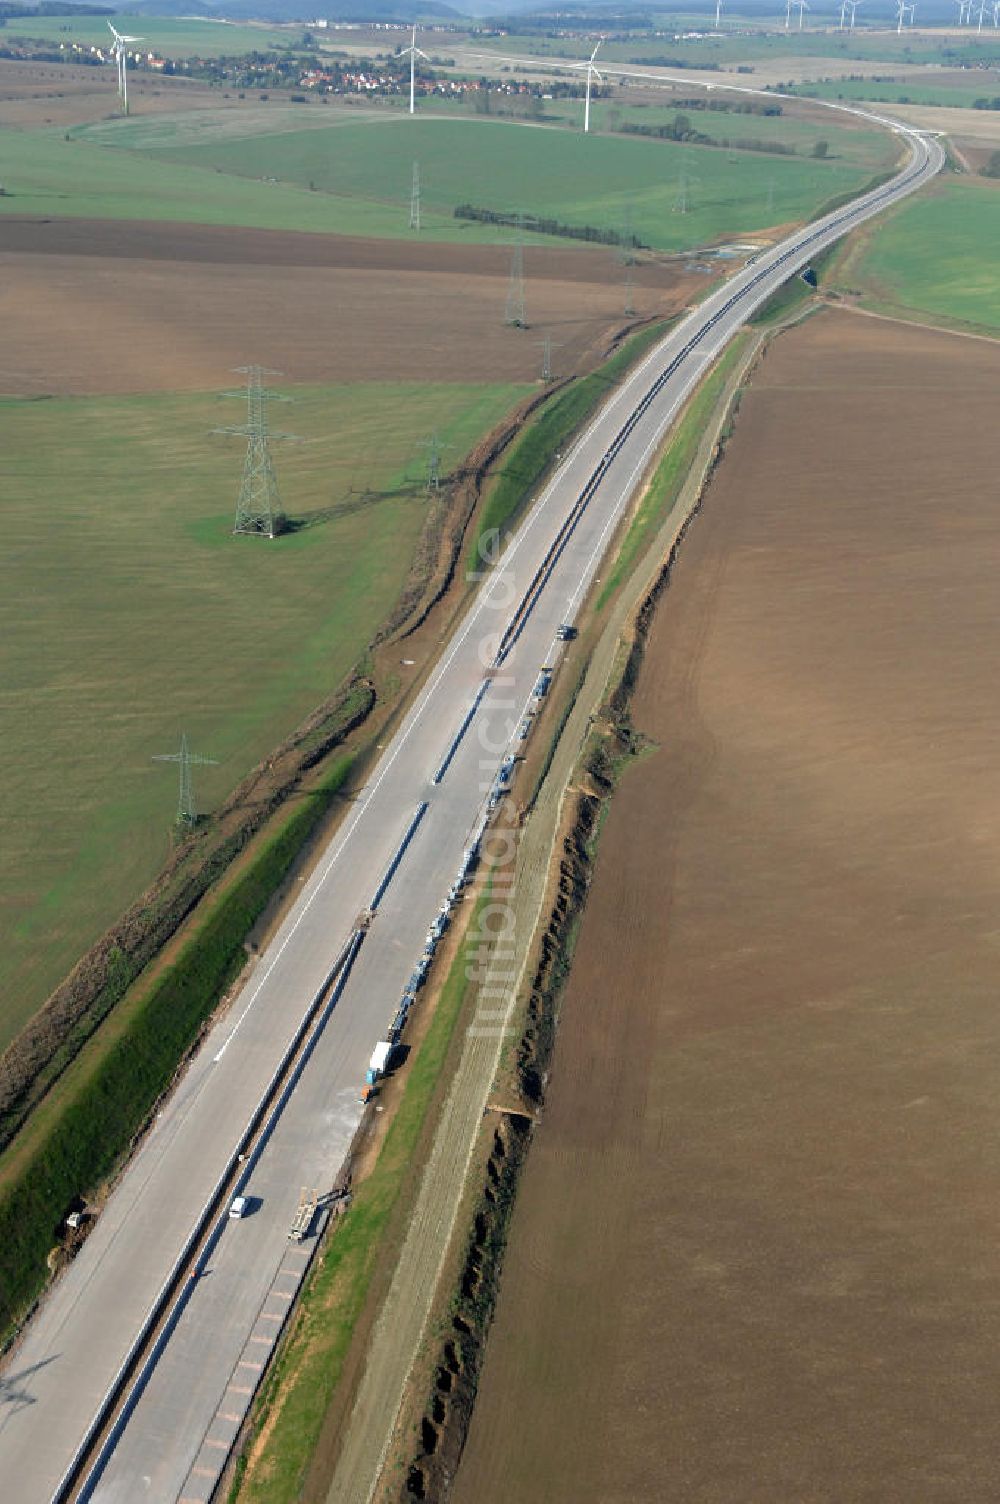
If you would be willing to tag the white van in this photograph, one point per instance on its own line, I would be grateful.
(239, 1207)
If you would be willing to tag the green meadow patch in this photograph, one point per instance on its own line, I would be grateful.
(675, 197)
(934, 256)
(129, 614)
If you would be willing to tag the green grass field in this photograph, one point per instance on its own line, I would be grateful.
(185, 37)
(43, 173)
(129, 614)
(907, 91)
(367, 168)
(935, 257)
(760, 46)
(362, 174)
(871, 149)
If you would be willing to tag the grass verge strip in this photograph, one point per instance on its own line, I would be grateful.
(670, 474)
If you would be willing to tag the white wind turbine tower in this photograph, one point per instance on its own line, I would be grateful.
(592, 73)
(853, 4)
(964, 11)
(996, 15)
(718, 14)
(119, 52)
(803, 7)
(414, 52)
(902, 11)
(982, 10)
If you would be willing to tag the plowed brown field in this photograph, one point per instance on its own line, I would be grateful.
(121, 306)
(756, 1253)
(33, 94)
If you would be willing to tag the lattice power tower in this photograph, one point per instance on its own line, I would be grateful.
(258, 506)
(514, 313)
(187, 814)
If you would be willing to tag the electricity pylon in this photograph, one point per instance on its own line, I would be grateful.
(546, 344)
(187, 816)
(514, 314)
(625, 248)
(629, 290)
(682, 202)
(258, 506)
(435, 449)
(415, 199)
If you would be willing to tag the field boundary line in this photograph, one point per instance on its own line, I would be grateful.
(890, 318)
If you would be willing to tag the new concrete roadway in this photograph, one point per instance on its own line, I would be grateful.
(55, 1388)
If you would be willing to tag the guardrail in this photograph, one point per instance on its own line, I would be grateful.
(400, 852)
(463, 728)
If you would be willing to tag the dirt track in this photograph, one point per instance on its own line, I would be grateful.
(108, 306)
(756, 1252)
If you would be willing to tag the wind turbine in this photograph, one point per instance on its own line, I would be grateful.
(982, 9)
(964, 11)
(803, 7)
(996, 15)
(119, 52)
(718, 14)
(414, 52)
(592, 73)
(854, 8)
(788, 14)
(843, 13)
(902, 10)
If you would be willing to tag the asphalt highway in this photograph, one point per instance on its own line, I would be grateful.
(56, 1383)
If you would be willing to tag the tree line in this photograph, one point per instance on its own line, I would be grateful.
(539, 225)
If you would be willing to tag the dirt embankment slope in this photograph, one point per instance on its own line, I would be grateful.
(101, 306)
(756, 1250)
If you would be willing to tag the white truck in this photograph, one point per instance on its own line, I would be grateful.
(378, 1062)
